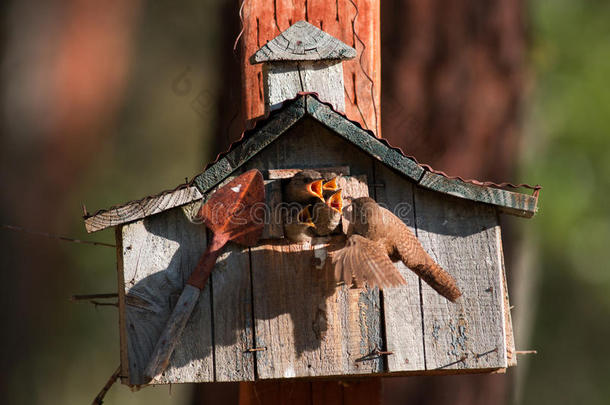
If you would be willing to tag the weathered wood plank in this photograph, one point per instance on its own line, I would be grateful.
(325, 171)
(463, 237)
(308, 325)
(158, 255)
(303, 42)
(284, 80)
(281, 81)
(511, 357)
(402, 305)
(123, 352)
(512, 203)
(135, 210)
(352, 187)
(232, 297)
(326, 79)
(271, 214)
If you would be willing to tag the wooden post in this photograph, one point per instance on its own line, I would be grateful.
(355, 22)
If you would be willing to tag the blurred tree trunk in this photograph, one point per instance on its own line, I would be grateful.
(452, 84)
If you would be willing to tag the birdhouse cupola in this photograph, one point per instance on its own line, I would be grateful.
(303, 58)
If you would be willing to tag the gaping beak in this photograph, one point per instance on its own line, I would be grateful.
(315, 188)
(304, 217)
(330, 185)
(335, 202)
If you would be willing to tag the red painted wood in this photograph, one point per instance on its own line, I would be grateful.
(264, 19)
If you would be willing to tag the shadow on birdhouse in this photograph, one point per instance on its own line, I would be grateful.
(303, 301)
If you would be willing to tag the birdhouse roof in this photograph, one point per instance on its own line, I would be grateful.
(300, 42)
(277, 123)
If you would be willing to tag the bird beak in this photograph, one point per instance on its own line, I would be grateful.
(304, 217)
(315, 188)
(330, 185)
(335, 202)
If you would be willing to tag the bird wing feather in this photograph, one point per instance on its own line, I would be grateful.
(364, 261)
(415, 257)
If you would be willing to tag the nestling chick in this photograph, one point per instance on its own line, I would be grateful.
(304, 186)
(329, 187)
(298, 227)
(327, 215)
(381, 236)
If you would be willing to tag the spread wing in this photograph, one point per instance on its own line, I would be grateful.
(364, 261)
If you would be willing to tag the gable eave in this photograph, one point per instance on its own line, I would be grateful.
(303, 105)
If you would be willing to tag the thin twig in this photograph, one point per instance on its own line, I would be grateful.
(526, 352)
(99, 399)
(59, 237)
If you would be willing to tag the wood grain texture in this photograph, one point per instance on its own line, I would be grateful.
(402, 305)
(232, 306)
(140, 209)
(352, 187)
(284, 80)
(159, 253)
(325, 171)
(356, 24)
(511, 357)
(171, 334)
(123, 352)
(463, 237)
(271, 213)
(303, 42)
(309, 326)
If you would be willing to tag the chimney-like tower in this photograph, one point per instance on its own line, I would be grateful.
(303, 58)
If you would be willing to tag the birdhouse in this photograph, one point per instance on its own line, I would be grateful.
(282, 308)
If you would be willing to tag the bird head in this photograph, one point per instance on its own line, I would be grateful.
(335, 202)
(315, 188)
(304, 217)
(330, 185)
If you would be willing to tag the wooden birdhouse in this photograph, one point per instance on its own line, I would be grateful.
(275, 310)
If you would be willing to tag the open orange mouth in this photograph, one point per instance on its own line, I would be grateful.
(335, 201)
(315, 188)
(304, 217)
(330, 185)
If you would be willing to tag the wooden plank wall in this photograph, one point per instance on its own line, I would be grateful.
(273, 312)
(265, 19)
(464, 238)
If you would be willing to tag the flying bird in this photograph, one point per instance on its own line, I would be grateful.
(327, 214)
(304, 186)
(379, 238)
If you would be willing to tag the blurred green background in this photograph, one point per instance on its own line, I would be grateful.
(159, 130)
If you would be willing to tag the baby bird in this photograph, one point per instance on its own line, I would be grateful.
(327, 215)
(298, 227)
(304, 186)
(379, 238)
